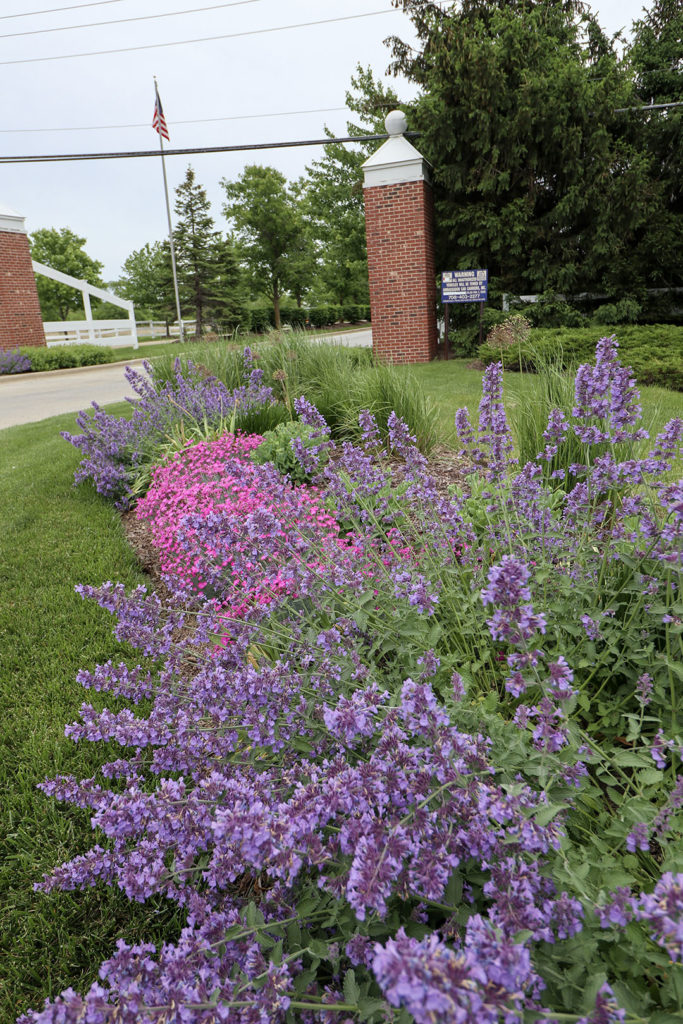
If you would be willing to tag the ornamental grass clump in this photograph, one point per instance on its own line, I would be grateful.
(432, 771)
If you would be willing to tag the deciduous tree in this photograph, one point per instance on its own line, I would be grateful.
(269, 227)
(62, 249)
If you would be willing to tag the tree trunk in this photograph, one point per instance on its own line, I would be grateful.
(276, 304)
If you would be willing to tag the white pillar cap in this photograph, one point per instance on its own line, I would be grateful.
(10, 220)
(396, 160)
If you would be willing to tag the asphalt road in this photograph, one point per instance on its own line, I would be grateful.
(30, 397)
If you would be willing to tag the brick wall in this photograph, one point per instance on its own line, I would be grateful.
(399, 225)
(21, 322)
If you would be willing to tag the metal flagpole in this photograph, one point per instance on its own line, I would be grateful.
(181, 333)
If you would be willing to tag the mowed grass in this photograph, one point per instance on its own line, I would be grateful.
(451, 385)
(53, 536)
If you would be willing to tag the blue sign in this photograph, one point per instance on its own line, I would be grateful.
(464, 285)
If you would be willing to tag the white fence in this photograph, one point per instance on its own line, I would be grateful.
(112, 333)
(157, 328)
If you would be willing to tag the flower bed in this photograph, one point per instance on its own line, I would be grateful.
(433, 773)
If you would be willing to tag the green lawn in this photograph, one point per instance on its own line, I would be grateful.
(52, 536)
(451, 385)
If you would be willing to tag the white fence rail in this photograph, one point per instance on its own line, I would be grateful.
(157, 328)
(112, 333)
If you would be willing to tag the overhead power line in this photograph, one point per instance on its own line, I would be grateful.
(202, 39)
(134, 154)
(200, 120)
(56, 10)
(125, 21)
(650, 106)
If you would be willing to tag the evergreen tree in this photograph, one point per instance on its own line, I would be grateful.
(333, 193)
(656, 55)
(195, 241)
(534, 176)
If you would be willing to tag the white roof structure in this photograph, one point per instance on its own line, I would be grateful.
(396, 160)
(10, 220)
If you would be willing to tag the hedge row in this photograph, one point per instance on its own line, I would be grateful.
(655, 352)
(260, 320)
(65, 357)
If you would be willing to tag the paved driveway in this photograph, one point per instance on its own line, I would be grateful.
(29, 397)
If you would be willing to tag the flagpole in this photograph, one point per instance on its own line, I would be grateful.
(181, 333)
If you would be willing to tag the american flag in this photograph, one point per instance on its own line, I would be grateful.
(159, 121)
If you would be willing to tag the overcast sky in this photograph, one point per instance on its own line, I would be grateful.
(96, 103)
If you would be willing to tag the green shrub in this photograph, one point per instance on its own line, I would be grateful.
(655, 352)
(295, 317)
(324, 316)
(276, 447)
(350, 313)
(65, 357)
(261, 320)
(552, 311)
(626, 311)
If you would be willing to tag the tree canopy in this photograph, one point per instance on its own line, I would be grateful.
(62, 249)
(270, 228)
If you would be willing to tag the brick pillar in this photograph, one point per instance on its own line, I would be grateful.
(399, 226)
(21, 322)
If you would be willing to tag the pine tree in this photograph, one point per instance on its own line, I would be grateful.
(200, 251)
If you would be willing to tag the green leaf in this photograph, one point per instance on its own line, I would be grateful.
(546, 814)
(369, 1006)
(351, 989)
(650, 776)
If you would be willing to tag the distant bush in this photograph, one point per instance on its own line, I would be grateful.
(552, 311)
(14, 362)
(66, 357)
(295, 317)
(655, 353)
(324, 316)
(261, 320)
(350, 313)
(626, 311)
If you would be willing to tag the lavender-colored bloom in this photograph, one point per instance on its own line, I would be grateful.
(617, 910)
(659, 747)
(473, 985)
(606, 1010)
(644, 687)
(554, 434)
(507, 584)
(458, 686)
(662, 911)
(606, 392)
(637, 839)
(561, 676)
(14, 362)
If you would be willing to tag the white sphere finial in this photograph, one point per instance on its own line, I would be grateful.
(395, 122)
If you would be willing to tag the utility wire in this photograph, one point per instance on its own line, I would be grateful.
(201, 120)
(134, 154)
(56, 10)
(124, 21)
(650, 106)
(203, 39)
